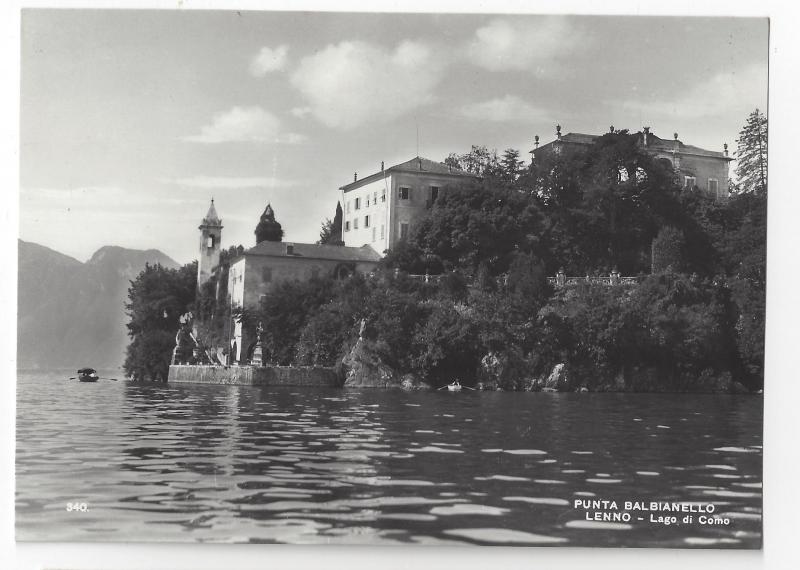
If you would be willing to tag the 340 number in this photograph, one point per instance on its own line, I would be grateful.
(81, 507)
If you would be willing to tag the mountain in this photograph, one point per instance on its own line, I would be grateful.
(72, 314)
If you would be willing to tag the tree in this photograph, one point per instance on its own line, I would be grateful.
(511, 165)
(331, 232)
(479, 160)
(156, 300)
(479, 223)
(751, 155)
(668, 250)
(268, 229)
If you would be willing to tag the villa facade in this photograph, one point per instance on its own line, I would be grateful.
(382, 208)
(695, 167)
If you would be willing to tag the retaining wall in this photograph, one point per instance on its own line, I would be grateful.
(254, 376)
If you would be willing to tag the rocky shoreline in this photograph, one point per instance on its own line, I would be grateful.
(362, 367)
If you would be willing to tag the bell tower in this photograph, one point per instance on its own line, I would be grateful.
(210, 243)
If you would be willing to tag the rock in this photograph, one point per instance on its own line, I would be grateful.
(531, 385)
(714, 383)
(490, 371)
(365, 369)
(559, 378)
(738, 388)
(507, 370)
(411, 382)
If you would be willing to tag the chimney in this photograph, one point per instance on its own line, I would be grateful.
(381, 166)
(725, 146)
(558, 132)
(536, 142)
(289, 249)
(355, 177)
(646, 132)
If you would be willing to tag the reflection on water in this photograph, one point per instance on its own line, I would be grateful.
(240, 464)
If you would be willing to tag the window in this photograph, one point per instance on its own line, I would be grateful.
(405, 193)
(713, 186)
(403, 230)
(355, 223)
(374, 197)
(689, 182)
(367, 201)
(383, 195)
(266, 275)
(358, 204)
(382, 232)
(366, 221)
(373, 233)
(347, 226)
(262, 300)
(348, 206)
(210, 241)
(434, 193)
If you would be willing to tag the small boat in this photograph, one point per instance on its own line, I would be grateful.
(455, 386)
(88, 375)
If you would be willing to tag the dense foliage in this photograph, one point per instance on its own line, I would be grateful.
(466, 295)
(156, 300)
(751, 155)
(268, 229)
(211, 309)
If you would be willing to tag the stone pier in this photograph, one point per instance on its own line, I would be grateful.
(254, 375)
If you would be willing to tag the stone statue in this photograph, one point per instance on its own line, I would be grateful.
(258, 350)
(184, 344)
(361, 329)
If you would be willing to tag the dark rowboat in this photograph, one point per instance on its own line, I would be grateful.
(87, 375)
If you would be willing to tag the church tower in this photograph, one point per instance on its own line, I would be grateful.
(210, 243)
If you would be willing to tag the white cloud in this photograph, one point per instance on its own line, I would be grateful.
(228, 182)
(725, 93)
(244, 124)
(521, 45)
(300, 112)
(502, 110)
(268, 60)
(351, 83)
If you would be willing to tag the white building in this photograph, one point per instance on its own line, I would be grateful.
(382, 208)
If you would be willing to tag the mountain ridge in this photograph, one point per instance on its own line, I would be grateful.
(72, 314)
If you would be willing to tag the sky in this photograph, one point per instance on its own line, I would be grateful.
(131, 121)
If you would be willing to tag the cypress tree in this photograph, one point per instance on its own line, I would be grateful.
(331, 232)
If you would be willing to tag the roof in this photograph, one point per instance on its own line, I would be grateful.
(653, 142)
(212, 219)
(314, 251)
(669, 146)
(415, 165)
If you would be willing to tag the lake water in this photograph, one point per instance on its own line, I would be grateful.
(156, 462)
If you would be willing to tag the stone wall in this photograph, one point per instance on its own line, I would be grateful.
(255, 376)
